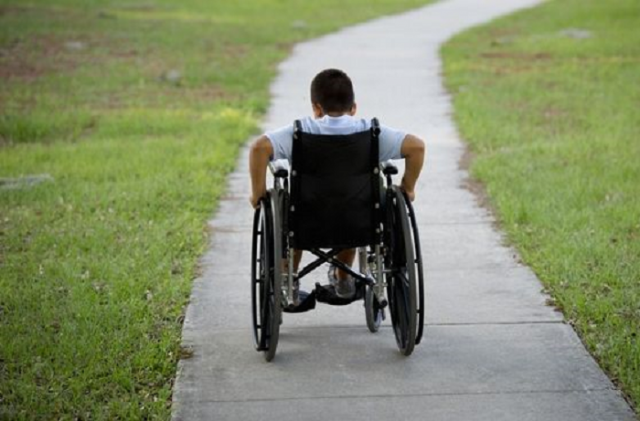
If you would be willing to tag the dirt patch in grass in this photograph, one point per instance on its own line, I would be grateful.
(125, 54)
(472, 184)
(31, 58)
(19, 70)
(553, 112)
(10, 9)
(520, 62)
(517, 56)
(180, 95)
(285, 46)
(211, 93)
(235, 51)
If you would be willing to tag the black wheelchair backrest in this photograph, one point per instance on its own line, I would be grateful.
(335, 189)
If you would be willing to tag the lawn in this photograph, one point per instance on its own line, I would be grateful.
(134, 112)
(548, 100)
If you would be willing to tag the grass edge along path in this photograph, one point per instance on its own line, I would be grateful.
(136, 112)
(546, 100)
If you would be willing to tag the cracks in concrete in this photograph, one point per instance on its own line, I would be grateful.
(418, 395)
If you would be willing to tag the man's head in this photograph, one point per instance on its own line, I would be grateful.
(332, 93)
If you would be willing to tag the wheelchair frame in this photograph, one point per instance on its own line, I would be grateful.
(391, 266)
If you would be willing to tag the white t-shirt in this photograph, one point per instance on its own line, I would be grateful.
(390, 140)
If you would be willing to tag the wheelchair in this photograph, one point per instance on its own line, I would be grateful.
(338, 196)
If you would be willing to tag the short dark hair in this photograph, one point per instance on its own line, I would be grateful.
(333, 91)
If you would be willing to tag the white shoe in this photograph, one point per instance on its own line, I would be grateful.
(345, 288)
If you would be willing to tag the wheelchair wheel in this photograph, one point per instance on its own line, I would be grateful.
(372, 309)
(419, 268)
(402, 279)
(374, 312)
(266, 290)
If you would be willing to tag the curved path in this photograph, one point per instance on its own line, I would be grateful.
(492, 349)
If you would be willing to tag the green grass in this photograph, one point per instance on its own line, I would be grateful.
(554, 123)
(96, 265)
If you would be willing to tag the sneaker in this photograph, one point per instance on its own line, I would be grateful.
(345, 288)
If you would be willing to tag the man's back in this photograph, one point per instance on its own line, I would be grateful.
(390, 139)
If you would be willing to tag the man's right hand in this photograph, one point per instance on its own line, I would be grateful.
(255, 201)
(411, 194)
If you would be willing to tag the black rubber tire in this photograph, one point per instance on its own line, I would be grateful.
(419, 268)
(276, 287)
(373, 312)
(260, 266)
(402, 281)
(266, 279)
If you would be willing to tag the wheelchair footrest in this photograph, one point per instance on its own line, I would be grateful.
(307, 303)
(325, 294)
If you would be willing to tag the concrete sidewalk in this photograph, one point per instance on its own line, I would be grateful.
(492, 349)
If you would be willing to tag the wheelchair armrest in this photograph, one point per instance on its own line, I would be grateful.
(389, 168)
(279, 168)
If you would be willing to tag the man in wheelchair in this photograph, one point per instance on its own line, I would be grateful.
(335, 159)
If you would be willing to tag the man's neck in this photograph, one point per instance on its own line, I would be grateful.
(333, 115)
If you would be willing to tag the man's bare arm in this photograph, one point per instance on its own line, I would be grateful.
(259, 155)
(413, 150)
